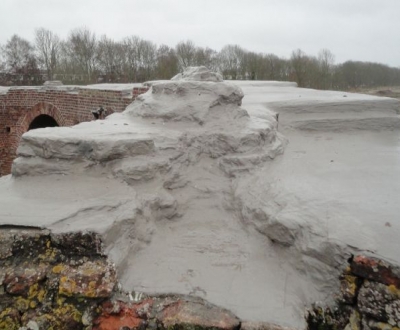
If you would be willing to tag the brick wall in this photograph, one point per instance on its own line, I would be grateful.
(68, 105)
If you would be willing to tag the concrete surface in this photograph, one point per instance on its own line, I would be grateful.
(193, 195)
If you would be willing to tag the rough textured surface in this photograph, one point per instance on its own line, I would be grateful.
(166, 312)
(380, 302)
(55, 285)
(376, 270)
(192, 194)
(198, 74)
(349, 284)
(362, 303)
(48, 283)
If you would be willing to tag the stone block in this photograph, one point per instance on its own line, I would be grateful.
(18, 280)
(30, 242)
(93, 279)
(376, 270)
(79, 243)
(380, 302)
(373, 325)
(120, 315)
(355, 321)
(348, 288)
(6, 242)
(196, 313)
(183, 313)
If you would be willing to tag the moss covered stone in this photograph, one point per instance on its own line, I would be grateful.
(9, 319)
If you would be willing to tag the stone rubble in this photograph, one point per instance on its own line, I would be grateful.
(56, 284)
(369, 298)
(49, 281)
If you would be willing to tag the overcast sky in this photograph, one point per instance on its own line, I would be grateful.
(366, 30)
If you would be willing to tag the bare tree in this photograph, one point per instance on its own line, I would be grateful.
(186, 53)
(140, 58)
(326, 68)
(231, 59)
(81, 56)
(167, 63)
(147, 56)
(110, 58)
(2, 58)
(275, 68)
(67, 67)
(3, 73)
(206, 57)
(20, 62)
(131, 60)
(48, 50)
(81, 47)
(356, 74)
(18, 53)
(252, 65)
(298, 62)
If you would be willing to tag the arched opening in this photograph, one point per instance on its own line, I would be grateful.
(42, 121)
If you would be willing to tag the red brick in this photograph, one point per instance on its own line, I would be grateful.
(19, 107)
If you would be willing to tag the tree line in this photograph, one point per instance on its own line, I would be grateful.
(84, 58)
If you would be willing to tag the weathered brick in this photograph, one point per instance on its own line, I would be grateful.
(93, 279)
(18, 280)
(376, 270)
(20, 106)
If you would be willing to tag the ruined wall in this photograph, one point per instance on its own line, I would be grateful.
(67, 105)
(369, 299)
(65, 282)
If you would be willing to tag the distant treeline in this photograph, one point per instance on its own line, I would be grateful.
(83, 58)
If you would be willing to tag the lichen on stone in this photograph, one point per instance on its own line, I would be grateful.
(9, 319)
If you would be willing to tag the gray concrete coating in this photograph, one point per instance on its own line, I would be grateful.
(195, 195)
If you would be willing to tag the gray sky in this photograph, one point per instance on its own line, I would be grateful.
(366, 30)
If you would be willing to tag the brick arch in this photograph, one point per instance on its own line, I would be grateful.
(21, 126)
(41, 108)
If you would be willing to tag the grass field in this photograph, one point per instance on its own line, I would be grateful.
(386, 91)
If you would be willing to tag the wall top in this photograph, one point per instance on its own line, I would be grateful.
(123, 88)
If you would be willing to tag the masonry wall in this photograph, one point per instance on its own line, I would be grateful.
(67, 105)
(66, 282)
(369, 298)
